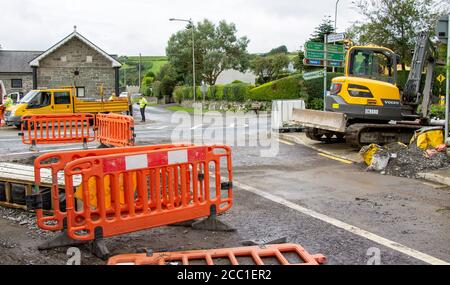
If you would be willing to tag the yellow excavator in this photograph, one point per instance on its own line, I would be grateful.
(366, 106)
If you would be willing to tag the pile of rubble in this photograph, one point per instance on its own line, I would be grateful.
(401, 160)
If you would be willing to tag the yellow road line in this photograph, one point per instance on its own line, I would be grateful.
(336, 158)
(285, 142)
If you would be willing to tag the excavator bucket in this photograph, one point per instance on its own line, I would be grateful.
(331, 121)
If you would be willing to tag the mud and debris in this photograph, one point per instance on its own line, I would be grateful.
(412, 160)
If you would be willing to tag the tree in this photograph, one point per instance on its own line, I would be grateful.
(167, 78)
(326, 27)
(395, 23)
(280, 49)
(217, 48)
(269, 67)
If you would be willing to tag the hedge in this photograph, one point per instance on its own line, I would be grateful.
(291, 87)
(236, 92)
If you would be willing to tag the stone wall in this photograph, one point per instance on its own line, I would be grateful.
(57, 69)
(27, 82)
(224, 106)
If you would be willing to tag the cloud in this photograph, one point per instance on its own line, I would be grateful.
(134, 26)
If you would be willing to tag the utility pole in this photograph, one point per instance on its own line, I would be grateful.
(140, 72)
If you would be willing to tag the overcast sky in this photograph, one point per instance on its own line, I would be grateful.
(133, 26)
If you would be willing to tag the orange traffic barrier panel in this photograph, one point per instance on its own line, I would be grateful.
(131, 191)
(2, 115)
(281, 254)
(115, 130)
(57, 128)
(55, 164)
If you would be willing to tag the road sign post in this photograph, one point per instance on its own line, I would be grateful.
(447, 97)
(325, 70)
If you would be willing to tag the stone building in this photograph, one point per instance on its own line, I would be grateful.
(74, 61)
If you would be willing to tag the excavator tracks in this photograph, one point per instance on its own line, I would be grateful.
(359, 135)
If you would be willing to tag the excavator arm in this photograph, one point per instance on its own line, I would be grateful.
(424, 54)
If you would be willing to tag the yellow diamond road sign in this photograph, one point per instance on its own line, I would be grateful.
(441, 78)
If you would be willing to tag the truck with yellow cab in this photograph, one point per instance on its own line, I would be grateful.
(61, 101)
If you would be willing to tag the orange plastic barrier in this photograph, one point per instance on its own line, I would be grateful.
(57, 128)
(115, 130)
(142, 190)
(55, 163)
(2, 115)
(282, 254)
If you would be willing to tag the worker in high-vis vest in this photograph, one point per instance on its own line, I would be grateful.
(8, 102)
(142, 104)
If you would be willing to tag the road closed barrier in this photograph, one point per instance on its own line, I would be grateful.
(57, 128)
(114, 130)
(281, 254)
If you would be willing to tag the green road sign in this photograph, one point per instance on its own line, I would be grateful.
(321, 55)
(336, 48)
(312, 75)
(314, 46)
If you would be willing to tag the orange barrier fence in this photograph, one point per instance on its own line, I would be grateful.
(129, 192)
(57, 128)
(130, 189)
(55, 164)
(2, 115)
(114, 130)
(282, 254)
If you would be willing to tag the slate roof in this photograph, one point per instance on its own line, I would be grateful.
(12, 61)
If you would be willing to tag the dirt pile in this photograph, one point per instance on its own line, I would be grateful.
(408, 162)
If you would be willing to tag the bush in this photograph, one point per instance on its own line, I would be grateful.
(291, 87)
(157, 90)
(437, 111)
(314, 91)
(236, 92)
(215, 93)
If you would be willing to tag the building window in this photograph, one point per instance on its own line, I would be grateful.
(63, 58)
(80, 92)
(16, 83)
(89, 58)
(62, 98)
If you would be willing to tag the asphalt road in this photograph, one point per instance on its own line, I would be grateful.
(325, 205)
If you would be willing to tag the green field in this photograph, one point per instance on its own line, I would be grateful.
(157, 61)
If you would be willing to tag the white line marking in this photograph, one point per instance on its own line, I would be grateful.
(157, 128)
(196, 127)
(355, 230)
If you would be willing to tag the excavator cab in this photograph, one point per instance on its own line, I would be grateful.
(375, 63)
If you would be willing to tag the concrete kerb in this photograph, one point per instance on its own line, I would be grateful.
(433, 177)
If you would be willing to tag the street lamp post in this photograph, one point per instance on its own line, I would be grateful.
(193, 51)
(335, 16)
(335, 20)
